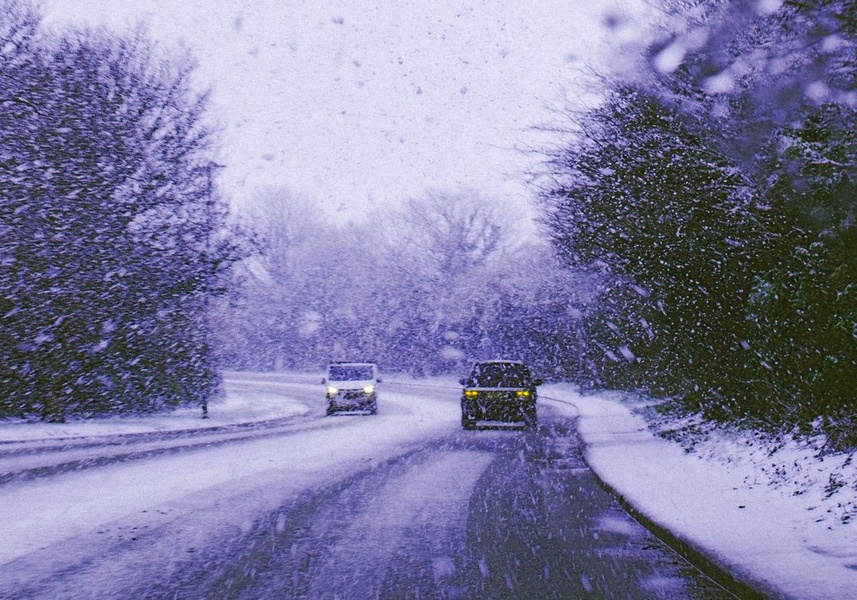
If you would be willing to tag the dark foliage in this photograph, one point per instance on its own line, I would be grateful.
(717, 203)
(676, 232)
(110, 225)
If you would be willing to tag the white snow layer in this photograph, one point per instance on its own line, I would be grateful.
(732, 498)
(772, 517)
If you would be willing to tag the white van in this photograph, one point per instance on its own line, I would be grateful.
(351, 386)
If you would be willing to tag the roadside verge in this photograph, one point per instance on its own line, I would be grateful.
(756, 540)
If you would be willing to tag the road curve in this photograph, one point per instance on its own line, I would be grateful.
(402, 505)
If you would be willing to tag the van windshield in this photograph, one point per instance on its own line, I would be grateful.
(350, 372)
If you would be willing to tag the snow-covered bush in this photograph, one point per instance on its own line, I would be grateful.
(714, 190)
(111, 225)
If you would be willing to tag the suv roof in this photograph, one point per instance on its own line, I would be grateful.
(500, 373)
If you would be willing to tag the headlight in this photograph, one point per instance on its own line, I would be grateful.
(470, 393)
(522, 393)
(369, 389)
(332, 391)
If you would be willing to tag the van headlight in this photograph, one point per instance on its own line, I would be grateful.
(369, 389)
(332, 391)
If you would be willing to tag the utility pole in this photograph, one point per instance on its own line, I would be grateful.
(208, 266)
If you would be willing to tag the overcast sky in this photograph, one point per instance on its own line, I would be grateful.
(362, 103)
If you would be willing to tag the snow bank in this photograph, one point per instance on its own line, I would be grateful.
(244, 401)
(791, 540)
(780, 518)
(224, 487)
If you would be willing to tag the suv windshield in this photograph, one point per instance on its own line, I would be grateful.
(350, 372)
(500, 375)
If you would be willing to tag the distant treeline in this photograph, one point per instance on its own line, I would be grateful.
(447, 278)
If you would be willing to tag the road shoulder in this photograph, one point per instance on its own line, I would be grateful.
(756, 534)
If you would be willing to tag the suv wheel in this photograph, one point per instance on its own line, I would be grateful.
(530, 418)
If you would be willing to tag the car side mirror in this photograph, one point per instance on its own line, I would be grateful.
(323, 380)
(379, 380)
(537, 382)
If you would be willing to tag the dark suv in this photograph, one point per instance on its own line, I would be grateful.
(499, 390)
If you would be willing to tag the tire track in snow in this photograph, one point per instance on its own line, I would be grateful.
(434, 492)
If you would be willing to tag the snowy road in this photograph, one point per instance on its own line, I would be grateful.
(402, 504)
